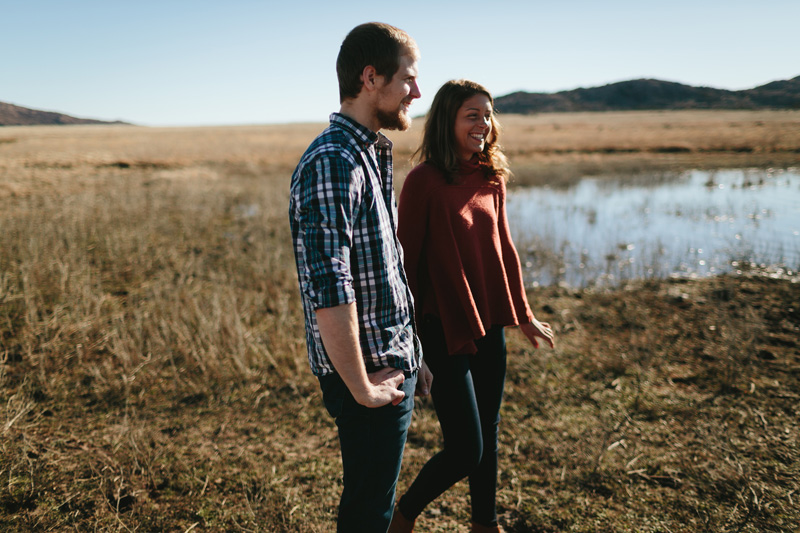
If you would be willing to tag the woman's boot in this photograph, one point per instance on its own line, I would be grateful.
(400, 524)
(477, 528)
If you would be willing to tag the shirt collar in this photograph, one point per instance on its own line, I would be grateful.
(360, 132)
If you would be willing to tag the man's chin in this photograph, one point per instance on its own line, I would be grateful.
(399, 121)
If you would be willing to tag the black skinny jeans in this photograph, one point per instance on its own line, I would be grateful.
(467, 391)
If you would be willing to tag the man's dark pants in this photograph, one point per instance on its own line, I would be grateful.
(372, 443)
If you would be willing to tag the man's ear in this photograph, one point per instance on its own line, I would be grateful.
(369, 78)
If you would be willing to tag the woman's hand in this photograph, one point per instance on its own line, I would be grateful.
(538, 330)
(424, 380)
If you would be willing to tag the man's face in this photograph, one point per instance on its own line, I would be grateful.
(395, 97)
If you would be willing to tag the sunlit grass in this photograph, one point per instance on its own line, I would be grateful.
(153, 372)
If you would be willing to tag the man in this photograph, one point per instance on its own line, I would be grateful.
(360, 332)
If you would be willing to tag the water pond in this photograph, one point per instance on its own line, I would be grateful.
(606, 230)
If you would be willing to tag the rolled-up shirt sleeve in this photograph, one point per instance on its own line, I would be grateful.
(330, 191)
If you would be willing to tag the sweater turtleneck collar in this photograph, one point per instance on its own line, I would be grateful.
(469, 165)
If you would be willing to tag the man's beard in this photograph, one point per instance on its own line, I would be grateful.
(397, 119)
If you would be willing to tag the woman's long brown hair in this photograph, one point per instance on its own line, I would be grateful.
(439, 147)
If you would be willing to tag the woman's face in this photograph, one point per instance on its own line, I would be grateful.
(473, 125)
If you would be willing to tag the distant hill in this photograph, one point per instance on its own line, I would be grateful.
(648, 94)
(14, 115)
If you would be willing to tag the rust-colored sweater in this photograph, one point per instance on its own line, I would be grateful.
(459, 258)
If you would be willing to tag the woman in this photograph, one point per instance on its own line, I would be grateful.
(465, 275)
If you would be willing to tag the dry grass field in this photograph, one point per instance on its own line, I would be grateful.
(562, 147)
(152, 355)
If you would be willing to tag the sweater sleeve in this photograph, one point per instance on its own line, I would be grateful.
(412, 229)
(512, 264)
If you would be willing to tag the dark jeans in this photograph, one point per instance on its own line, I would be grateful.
(467, 391)
(372, 443)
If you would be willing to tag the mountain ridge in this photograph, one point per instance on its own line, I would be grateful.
(645, 94)
(653, 94)
(14, 115)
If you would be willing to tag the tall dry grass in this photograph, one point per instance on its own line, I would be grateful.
(153, 373)
(142, 273)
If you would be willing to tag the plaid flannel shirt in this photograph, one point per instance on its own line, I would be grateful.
(343, 214)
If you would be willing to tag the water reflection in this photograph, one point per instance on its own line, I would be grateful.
(698, 223)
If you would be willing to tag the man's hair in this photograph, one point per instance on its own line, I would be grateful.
(439, 146)
(372, 44)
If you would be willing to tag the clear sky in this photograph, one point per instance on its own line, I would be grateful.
(220, 62)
